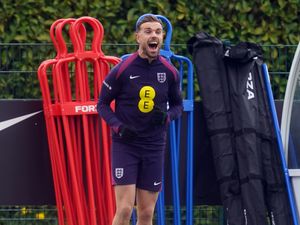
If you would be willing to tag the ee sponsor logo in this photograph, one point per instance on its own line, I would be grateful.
(147, 94)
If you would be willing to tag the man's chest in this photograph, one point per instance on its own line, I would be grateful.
(154, 80)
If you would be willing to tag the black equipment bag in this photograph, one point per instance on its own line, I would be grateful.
(240, 129)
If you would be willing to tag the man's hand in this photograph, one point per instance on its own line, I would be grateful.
(126, 132)
(159, 117)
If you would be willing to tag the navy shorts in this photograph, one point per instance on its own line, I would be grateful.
(133, 164)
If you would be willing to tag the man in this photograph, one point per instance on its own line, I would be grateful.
(145, 88)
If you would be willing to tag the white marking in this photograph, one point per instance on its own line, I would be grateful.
(107, 85)
(86, 108)
(156, 183)
(119, 172)
(133, 77)
(8, 123)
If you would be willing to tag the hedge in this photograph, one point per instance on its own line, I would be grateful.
(267, 22)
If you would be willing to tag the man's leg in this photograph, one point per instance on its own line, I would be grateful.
(145, 201)
(125, 196)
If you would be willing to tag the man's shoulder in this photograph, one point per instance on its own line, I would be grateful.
(167, 64)
(125, 63)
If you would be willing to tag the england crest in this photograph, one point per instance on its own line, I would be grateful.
(161, 77)
(119, 172)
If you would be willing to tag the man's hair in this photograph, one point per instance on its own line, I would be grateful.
(146, 18)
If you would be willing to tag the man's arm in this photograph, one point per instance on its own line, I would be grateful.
(175, 100)
(109, 91)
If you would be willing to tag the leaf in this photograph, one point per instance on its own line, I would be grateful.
(180, 16)
(276, 79)
(20, 38)
(43, 37)
(274, 39)
(1, 28)
(274, 54)
(282, 3)
(245, 7)
(131, 14)
(258, 30)
(180, 8)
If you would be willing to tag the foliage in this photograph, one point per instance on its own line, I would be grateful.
(202, 215)
(34, 215)
(47, 215)
(268, 22)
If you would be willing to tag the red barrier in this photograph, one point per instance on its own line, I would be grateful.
(79, 141)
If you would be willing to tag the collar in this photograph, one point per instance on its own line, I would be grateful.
(145, 60)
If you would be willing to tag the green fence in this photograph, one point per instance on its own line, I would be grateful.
(19, 63)
(28, 215)
(46, 215)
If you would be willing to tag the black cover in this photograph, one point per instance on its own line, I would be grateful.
(240, 128)
(25, 173)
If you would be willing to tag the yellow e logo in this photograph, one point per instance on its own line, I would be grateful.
(147, 94)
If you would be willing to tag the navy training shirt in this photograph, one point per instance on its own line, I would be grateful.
(138, 86)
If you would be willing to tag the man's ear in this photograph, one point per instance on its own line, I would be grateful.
(137, 37)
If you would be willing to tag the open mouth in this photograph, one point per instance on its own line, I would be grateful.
(153, 45)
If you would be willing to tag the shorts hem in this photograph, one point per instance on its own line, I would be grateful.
(149, 189)
(118, 184)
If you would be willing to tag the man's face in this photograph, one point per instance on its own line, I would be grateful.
(149, 38)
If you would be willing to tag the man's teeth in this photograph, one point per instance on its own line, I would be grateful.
(153, 44)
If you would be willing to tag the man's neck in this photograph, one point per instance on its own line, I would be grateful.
(144, 56)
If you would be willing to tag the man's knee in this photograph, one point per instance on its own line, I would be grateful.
(124, 212)
(145, 214)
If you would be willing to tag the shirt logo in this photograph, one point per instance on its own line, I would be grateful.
(119, 172)
(161, 77)
(107, 85)
(133, 77)
(156, 183)
(146, 103)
